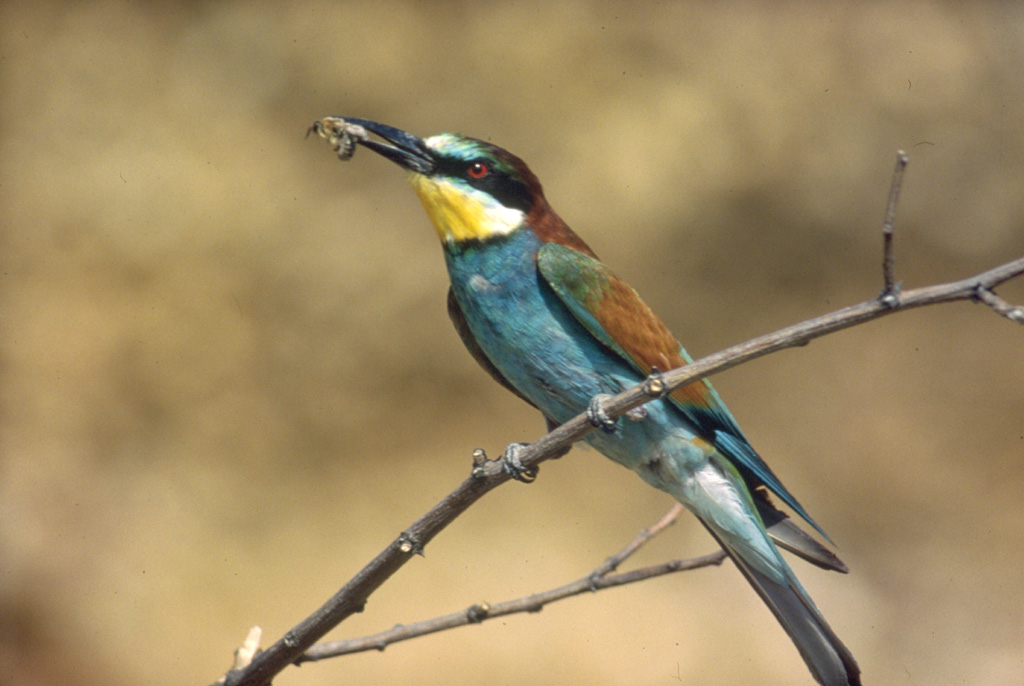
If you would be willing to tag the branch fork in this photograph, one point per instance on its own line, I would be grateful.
(255, 668)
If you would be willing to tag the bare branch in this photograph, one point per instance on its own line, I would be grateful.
(600, 578)
(1015, 313)
(487, 475)
(891, 290)
(613, 562)
(797, 335)
(485, 611)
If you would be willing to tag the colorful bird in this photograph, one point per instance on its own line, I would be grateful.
(550, 322)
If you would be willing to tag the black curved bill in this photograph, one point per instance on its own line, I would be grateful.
(402, 148)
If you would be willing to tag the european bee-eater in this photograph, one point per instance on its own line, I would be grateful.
(558, 328)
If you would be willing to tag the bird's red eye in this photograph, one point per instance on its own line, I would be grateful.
(478, 170)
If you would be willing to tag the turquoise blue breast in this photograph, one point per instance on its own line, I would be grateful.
(539, 346)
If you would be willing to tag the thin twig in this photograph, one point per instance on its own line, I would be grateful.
(890, 295)
(488, 475)
(1015, 313)
(613, 562)
(600, 578)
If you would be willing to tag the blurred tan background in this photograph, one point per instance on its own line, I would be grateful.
(228, 379)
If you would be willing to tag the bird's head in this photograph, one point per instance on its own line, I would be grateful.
(472, 190)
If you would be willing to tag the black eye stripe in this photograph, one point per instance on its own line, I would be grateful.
(503, 187)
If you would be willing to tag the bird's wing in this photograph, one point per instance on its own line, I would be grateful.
(616, 316)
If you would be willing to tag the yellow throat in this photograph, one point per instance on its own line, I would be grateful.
(462, 213)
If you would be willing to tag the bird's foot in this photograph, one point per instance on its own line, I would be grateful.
(597, 415)
(514, 465)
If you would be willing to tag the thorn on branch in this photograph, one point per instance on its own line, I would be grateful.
(477, 613)
(408, 544)
(655, 386)
(479, 460)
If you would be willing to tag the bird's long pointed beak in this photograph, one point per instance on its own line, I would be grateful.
(404, 149)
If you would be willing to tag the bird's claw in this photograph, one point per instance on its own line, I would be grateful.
(513, 465)
(598, 416)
